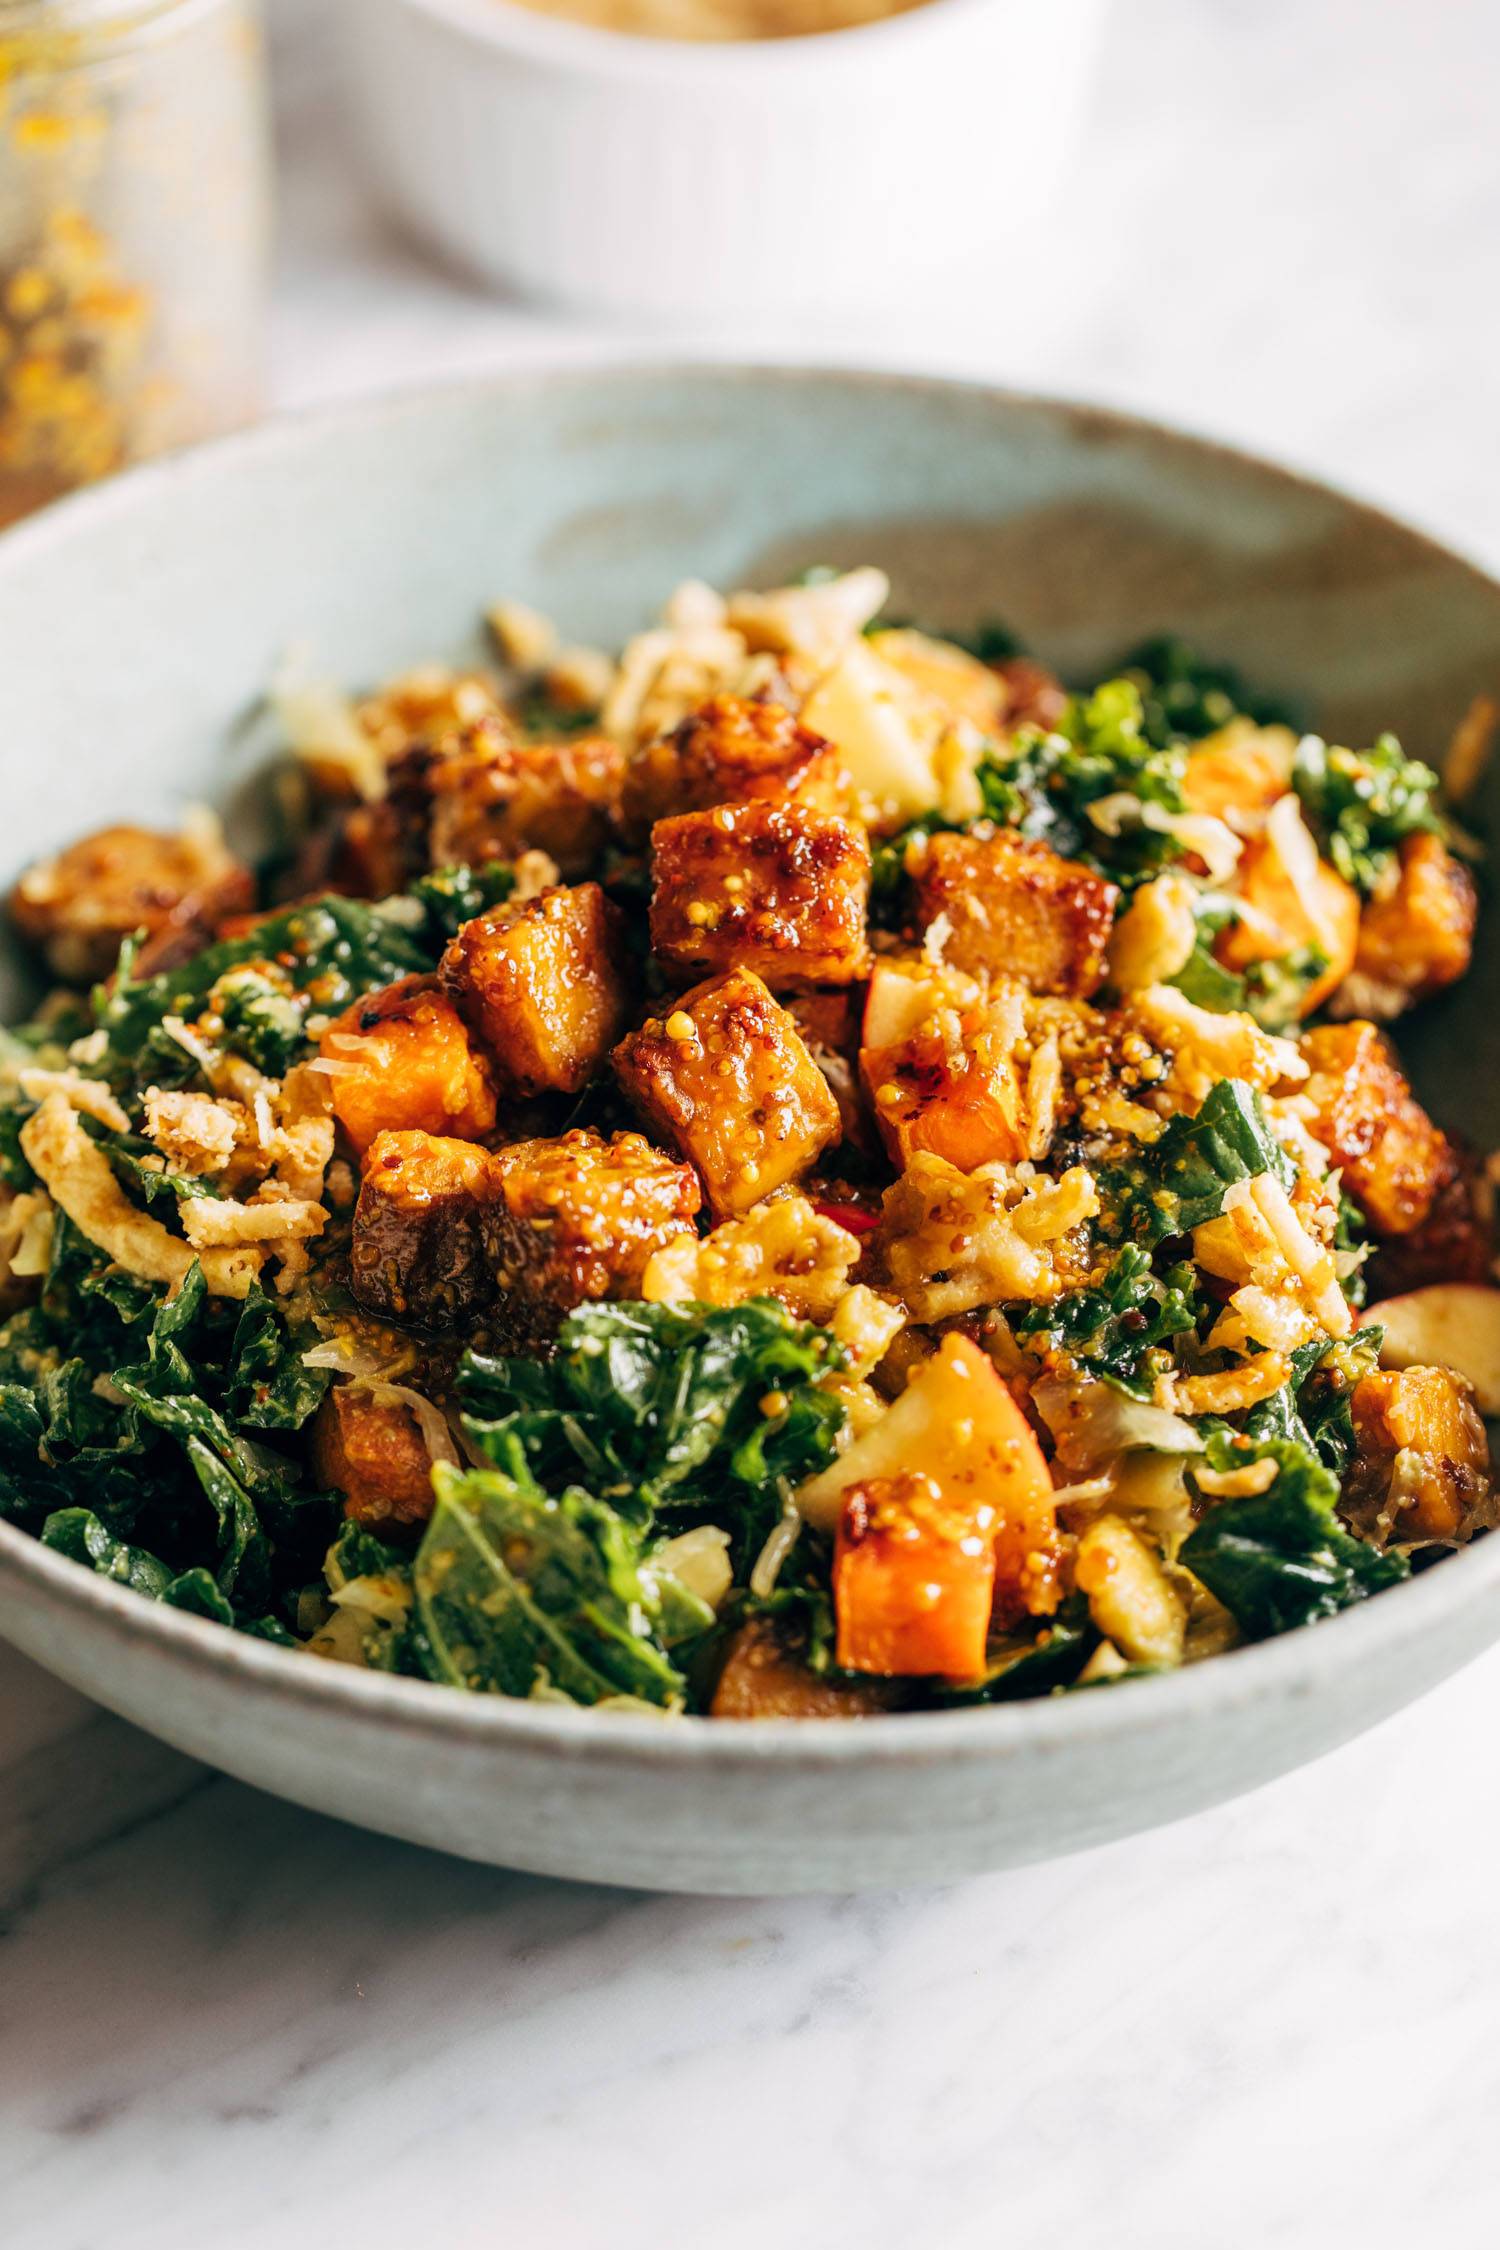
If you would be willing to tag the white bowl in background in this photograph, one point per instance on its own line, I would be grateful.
(678, 180)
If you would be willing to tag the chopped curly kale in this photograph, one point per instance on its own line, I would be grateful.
(1046, 783)
(1180, 1180)
(520, 1590)
(451, 896)
(1281, 1558)
(1110, 1327)
(1049, 1662)
(1314, 1409)
(1360, 804)
(261, 1022)
(1184, 696)
(329, 951)
(135, 1410)
(664, 1406)
(138, 1166)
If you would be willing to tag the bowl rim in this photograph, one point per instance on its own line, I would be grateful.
(1292, 1664)
(511, 27)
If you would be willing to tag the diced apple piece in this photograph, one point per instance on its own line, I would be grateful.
(885, 732)
(959, 1425)
(1452, 1324)
(966, 688)
(903, 994)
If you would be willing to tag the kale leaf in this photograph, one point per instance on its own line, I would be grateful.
(1281, 1558)
(451, 896)
(1052, 1660)
(1184, 696)
(1360, 804)
(269, 1387)
(520, 1590)
(1110, 1327)
(134, 1409)
(329, 951)
(1181, 1179)
(1046, 782)
(662, 1406)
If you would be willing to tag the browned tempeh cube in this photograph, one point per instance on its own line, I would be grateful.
(1393, 1158)
(777, 888)
(542, 985)
(729, 752)
(727, 1078)
(1017, 909)
(79, 905)
(1426, 1418)
(402, 1061)
(576, 1219)
(418, 1252)
(492, 797)
(1420, 936)
(374, 1453)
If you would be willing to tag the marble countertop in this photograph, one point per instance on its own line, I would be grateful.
(225, 2023)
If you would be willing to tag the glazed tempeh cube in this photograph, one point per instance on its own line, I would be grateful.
(418, 1252)
(576, 1219)
(401, 1060)
(731, 752)
(1422, 1459)
(492, 797)
(1420, 935)
(1017, 909)
(542, 985)
(780, 889)
(726, 1077)
(1393, 1158)
(80, 905)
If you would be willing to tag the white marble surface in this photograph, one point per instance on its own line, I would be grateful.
(225, 2023)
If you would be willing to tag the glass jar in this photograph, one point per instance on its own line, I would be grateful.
(134, 222)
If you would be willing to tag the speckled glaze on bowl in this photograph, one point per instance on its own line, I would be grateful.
(138, 626)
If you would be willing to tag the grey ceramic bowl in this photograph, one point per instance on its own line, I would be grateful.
(137, 629)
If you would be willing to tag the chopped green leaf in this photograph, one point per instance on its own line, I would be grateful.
(1360, 804)
(1281, 1558)
(1180, 1180)
(521, 1591)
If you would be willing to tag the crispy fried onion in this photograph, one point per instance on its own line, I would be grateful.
(77, 1175)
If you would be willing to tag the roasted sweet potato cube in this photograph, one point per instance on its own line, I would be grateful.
(1425, 1419)
(1419, 936)
(493, 797)
(766, 1675)
(79, 905)
(775, 887)
(1289, 911)
(1238, 773)
(731, 752)
(1455, 1242)
(1393, 1158)
(374, 1453)
(577, 1219)
(725, 1077)
(543, 987)
(1017, 909)
(402, 1061)
(418, 1250)
(952, 1086)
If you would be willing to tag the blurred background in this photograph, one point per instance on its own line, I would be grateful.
(1275, 220)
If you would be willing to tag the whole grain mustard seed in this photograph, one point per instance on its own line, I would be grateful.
(680, 1025)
